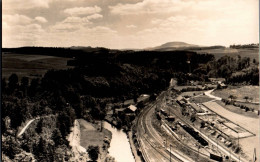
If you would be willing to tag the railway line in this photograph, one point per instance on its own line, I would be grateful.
(147, 135)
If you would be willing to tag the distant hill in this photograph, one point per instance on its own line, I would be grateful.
(172, 46)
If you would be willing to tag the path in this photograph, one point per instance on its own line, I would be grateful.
(208, 93)
(25, 127)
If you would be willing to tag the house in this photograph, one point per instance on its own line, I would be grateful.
(196, 108)
(222, 85)
(181, 101)
(217, 80)
(131, 109)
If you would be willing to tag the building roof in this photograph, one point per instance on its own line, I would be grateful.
(197, 108)
(132, 107)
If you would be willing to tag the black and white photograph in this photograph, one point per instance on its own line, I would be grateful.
(130, 81)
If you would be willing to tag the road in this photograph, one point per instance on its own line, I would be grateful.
(29, 123)
(151, 142)
(25, 127)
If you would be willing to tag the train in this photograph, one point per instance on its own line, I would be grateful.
(194, 134)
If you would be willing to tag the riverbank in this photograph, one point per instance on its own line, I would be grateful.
(91, 134)
(133, 148)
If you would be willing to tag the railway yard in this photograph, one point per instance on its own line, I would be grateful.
(193, 126)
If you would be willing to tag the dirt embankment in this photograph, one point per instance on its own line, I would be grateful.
(85, 134)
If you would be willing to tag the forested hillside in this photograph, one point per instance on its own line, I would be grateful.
(100, 76)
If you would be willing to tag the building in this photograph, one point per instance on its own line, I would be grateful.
(217, 80)
(196, 108)
(131, 109)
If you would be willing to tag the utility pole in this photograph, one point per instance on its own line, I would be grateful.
(198, 152)
(170, 153)
(238, 144)
(254, 156)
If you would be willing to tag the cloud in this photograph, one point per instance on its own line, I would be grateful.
(40, 19)
(84, 36)
(27, 4)
(131, 26)
(77, 11)
(64, 27)
(94, 16)
(76, 20)
(149, 7)
(17, 19)
(73, 23)
(21, 35)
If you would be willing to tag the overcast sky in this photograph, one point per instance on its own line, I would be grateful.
(128, 23)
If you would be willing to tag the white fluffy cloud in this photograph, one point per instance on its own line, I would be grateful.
(76, 20)
(17, 19)
(27, 4)
(94, 16)
(21, 35)
(77, 11)
(150, 7)
(129, 24)
(40, 19)
(73, 23)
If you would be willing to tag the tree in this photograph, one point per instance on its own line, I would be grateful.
(246, 98)
(93, 152)
(3, 85)
(25, 81)
(232, 97)
(57, 137)
(39, 126)
(24, 84)
(12, 82)
(34, 86)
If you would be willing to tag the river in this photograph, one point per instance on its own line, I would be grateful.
(119, 147)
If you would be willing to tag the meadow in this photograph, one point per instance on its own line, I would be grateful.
(252, 53)
(240, 92)
(32, 66)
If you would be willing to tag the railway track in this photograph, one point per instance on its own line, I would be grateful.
(146, 132)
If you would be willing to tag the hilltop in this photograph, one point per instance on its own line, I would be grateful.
(171, 46)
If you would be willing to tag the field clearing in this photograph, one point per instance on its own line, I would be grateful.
(252, 53)
(240, 92)
(91, 136)
(251, 124)
(192, 93)
(201, 99)
(32, 66)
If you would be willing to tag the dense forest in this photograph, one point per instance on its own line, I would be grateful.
(252, 45)
(100, 76)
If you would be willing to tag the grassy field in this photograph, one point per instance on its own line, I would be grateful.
(252, 53)
(240, 92)
(201, 99)
(31, 66)
(90, 135)
(237, 110)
